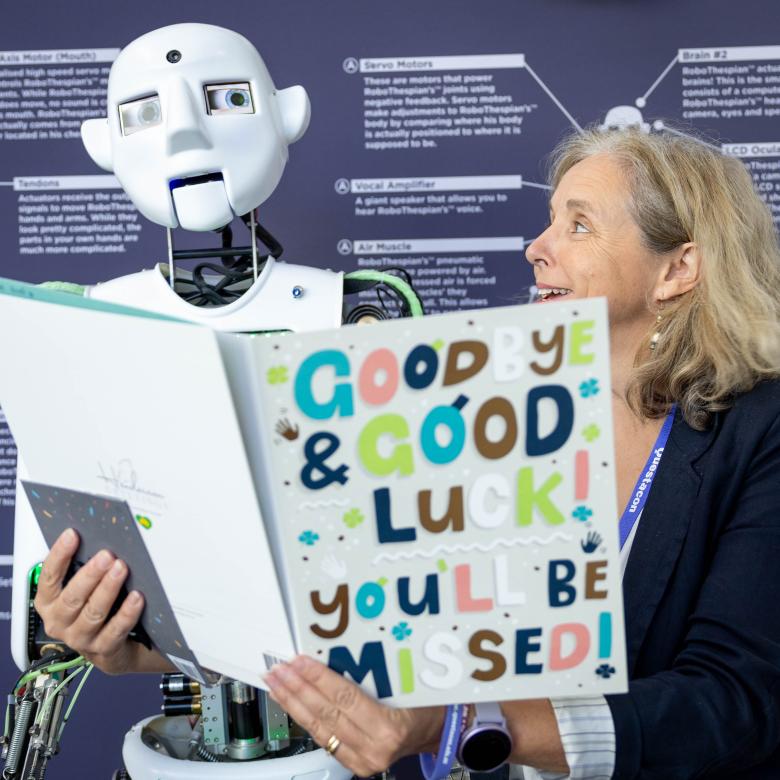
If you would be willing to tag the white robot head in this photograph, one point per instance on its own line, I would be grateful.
(196, 132)
(622, 117)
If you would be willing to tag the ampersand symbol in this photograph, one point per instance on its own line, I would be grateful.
(316, 461)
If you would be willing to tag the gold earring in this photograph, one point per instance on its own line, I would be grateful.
(657, 335)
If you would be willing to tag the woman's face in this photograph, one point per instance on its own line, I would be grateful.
(593, 246)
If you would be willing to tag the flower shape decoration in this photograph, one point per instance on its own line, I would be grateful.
(401, 631)
(591, 432)
(589, 388)
(582, 513)
(308, 537)
(353, 518)
(277, 375)
(606, 671)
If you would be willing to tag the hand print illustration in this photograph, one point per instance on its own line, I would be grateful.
(287, 429)
(333, 567)
(591, 542)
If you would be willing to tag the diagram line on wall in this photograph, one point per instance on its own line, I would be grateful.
(552, 97)
(661, 77)
(673, 131)
(535, 184)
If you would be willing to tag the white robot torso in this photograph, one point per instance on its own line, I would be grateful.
(283, 297)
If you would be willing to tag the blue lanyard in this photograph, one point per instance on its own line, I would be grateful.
(645, 482)
(438, 767)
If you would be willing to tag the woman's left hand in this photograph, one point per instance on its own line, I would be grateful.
(370, 735)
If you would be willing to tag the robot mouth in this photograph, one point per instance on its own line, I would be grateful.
(188, 181)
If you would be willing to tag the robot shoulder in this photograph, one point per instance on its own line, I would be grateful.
(284, 297)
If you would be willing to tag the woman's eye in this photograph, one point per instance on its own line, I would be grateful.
(580, 228)
(229, 98)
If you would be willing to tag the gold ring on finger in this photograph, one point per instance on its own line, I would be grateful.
(333, 744)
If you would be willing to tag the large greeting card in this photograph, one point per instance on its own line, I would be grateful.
(443, 501)
(427, 505)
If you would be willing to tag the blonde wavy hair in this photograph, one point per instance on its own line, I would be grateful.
(722, 337)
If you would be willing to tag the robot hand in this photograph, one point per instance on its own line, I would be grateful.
(78, 613)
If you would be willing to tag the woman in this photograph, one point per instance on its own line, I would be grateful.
(673, 234)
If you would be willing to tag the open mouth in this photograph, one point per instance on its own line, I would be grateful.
(188, 181)
(552, 293)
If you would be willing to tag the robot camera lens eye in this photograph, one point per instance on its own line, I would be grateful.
(236, 97)
(173, 56)
(149, 113)
(141, 114)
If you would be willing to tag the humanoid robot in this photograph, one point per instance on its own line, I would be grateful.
(197, 135)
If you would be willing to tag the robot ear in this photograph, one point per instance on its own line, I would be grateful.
(97, 141)
(295, 111)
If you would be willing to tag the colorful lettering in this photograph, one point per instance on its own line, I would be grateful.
(466, 602)
(578, 653)
(400, 460)
(454, 373)
(339, 604)
(341, 401)
(381, 362)
(384, 521)
(580, 335)
(425, 356)
(528, 498)
(497, 661)
(495, 407)
(560, 592)
(555, 343)
(524, 646)
(372, 661)
(536, 445)
(453, 514)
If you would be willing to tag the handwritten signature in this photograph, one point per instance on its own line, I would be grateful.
(122, 478)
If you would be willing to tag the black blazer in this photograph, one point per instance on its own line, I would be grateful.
(702, 605)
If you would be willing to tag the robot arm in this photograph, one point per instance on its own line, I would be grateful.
(30, 549)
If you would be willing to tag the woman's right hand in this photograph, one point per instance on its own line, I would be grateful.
(77, 613)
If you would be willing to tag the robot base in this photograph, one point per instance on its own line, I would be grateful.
(151, 749)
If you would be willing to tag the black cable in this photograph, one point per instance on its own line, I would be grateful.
(385, 292)
(391, 294)
(235, 269)
(398, 271)
(274, 247)
(51, 659)
(217, 292)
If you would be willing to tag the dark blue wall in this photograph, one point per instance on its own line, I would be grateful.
(590, 55)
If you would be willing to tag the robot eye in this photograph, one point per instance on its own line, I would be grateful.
(229, 98)
(140, 114)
